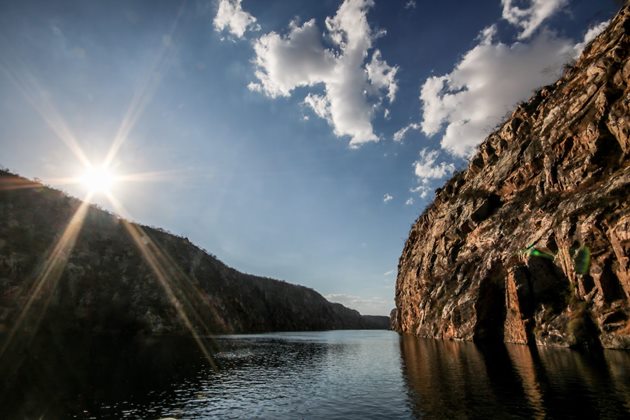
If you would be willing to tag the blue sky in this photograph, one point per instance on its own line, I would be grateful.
(293, 139)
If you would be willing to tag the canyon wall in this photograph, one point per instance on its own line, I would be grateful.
(502, 252)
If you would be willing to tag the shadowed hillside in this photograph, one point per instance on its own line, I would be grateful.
(121, 277)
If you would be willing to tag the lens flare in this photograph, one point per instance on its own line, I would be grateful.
(98, 180)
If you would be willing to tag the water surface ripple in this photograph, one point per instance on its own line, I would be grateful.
(331, 374)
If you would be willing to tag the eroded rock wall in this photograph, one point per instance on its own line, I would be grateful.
(555, 175)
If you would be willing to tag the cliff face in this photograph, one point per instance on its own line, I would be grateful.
(502, 252)
(107, 282)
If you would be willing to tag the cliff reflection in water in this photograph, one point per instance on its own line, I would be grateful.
(458, 379)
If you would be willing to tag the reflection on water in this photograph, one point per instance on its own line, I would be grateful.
(60, 377)
(454, 379)
(335, 374)
(340, 374)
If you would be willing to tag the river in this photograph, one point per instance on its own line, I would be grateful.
(331, 374)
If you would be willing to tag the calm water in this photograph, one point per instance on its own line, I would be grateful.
(336, 374)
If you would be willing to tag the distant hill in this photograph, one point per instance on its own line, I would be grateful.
(156, 284)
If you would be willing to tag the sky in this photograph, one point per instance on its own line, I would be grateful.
(293, 139)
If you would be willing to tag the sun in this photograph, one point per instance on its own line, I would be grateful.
(98, 179)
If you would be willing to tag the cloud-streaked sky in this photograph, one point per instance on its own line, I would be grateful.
(294, 139)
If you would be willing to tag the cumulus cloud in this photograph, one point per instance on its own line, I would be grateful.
(465, 105)
(409, 201)
(387, 198)
(319, 105)
(231, 17)
(353, 89)
(382, 76)
(285, 63)
(365, 305)
(531, 16)
(422, 189)
(493, 77)
(400, 134)
(426, 168)
(490, 80)
(590, 35)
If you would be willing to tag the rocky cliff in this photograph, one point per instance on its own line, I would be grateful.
(99, 273)
(531, 243)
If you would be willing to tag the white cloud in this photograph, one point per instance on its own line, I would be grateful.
(400, 134)
(425, 168)
(387, 198)
(474, 97)
(411, 4)
(382, 76)
(231, 17)
(487, 34)
(352, 88)
(319, 104)
(409, 201)
(465, 105)
(390, 272)
(589, 36)
(531, 16)
(285, 63)
(422, 190)
(365, 305)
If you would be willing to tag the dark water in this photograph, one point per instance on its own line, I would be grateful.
(336, 374)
